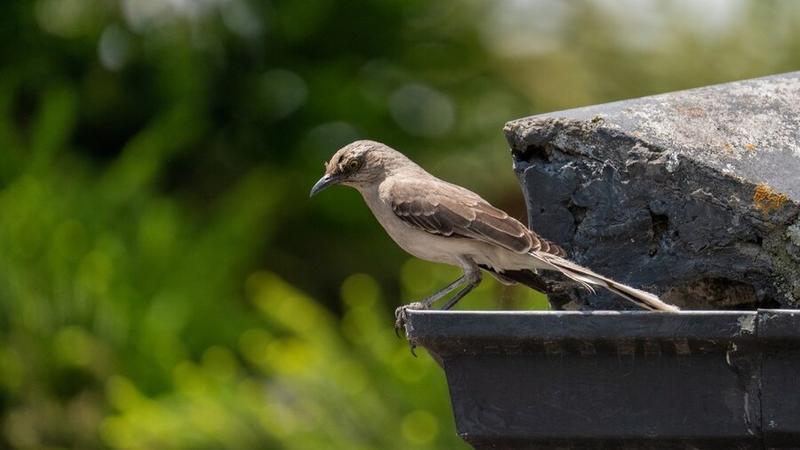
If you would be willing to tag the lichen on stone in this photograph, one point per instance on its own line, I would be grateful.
(767, 199)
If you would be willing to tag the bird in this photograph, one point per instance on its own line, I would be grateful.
(442, 222)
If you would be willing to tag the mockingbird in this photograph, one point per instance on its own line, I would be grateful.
(438, 221)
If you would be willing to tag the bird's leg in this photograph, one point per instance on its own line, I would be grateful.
(400, 313)
(473, 280)
(472, 275)
(428, 301)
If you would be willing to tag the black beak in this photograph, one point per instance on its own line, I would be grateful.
(324, 182)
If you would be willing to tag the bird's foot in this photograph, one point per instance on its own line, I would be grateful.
(400, 315)
(400, 318)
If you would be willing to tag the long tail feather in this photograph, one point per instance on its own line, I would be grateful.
(587, 278)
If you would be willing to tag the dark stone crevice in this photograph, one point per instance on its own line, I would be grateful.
(538, 152)
(659, 227)
(578, 213)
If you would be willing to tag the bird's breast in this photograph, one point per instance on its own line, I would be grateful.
(417, 242)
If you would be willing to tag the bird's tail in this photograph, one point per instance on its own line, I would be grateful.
(588, 279)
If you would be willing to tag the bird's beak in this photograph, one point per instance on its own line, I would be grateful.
(324, 182)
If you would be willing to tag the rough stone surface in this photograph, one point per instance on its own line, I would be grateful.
(694, 195)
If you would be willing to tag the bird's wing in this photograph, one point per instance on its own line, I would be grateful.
(445, 209)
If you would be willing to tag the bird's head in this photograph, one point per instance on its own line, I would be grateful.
(358, 164)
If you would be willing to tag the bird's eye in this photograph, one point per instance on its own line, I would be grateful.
(353, 164)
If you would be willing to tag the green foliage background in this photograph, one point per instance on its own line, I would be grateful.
(164, 280)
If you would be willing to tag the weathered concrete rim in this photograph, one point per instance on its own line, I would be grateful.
(439, 330)
(725, 125)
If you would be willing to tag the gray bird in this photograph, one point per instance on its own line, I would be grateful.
(444, 223)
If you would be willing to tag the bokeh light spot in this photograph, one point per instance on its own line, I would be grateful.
(114, 47)
(350, 377)
(280, 93)
(239, 17)
(420, 427)
(75, 347)
(122, 394)
(325, 139)
(253, 345)
(292, 356)
(68, 18)
(421, 110)
(12, 369)
(219, 362)
(94, 272)
(360, 290)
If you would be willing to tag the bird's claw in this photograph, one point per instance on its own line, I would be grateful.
(400, 319)
(400, 315)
